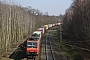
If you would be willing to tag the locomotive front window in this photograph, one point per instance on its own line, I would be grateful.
(32, 44)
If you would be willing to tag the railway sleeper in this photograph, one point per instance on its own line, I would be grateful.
(31, 57)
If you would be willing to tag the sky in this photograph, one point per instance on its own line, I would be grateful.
(53, 7)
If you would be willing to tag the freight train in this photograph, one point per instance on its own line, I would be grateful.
(33, 42)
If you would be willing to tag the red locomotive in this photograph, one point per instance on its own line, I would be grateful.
(33, 46)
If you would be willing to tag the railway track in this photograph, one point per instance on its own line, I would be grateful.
(48, 47)
(46, 52)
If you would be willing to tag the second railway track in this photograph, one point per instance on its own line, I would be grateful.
(48, 47)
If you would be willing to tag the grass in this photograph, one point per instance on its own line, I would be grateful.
(69, 51)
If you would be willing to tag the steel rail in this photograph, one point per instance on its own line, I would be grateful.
(48, 44)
